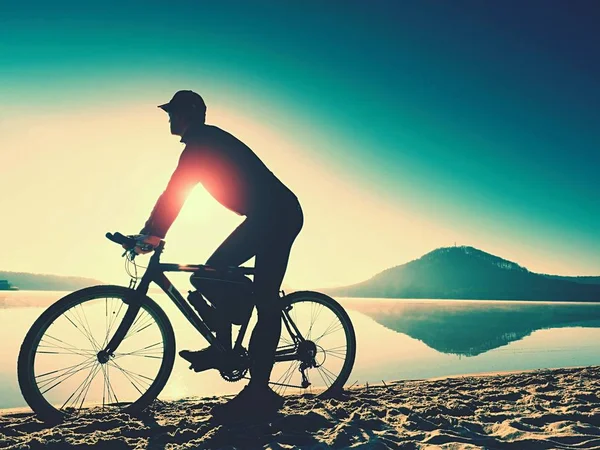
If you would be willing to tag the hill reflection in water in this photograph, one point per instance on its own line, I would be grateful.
(470, 327)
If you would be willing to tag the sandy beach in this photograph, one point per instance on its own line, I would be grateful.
(530, 410)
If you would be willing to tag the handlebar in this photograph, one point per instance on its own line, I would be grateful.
(125, 241)
(132, 245)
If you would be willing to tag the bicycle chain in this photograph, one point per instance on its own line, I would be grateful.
(236, 374)
(233, 376)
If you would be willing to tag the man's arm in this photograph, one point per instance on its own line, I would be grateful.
(168, 205)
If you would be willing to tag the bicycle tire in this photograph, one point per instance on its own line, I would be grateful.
(26, 360)
(342, 315)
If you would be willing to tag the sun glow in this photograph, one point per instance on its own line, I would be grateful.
(93, 171)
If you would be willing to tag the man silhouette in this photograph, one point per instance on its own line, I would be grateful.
(233, 174)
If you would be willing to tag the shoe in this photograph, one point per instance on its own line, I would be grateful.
(207, 358)
(253, 403)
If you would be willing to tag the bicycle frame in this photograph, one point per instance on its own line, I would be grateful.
(155, 272)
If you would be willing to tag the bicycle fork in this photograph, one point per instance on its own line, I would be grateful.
(120, 333)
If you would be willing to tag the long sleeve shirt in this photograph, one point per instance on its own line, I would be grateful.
(228, 169)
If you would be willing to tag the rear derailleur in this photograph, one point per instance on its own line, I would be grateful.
(307, 351)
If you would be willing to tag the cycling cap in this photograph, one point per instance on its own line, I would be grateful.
(185, 101)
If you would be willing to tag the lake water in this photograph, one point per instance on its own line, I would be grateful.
(396, 339)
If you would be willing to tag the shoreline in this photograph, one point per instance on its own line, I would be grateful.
(12, 300)
(544, 408)
(383, 383)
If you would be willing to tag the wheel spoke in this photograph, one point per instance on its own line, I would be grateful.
(334, 352)
(114, 394)
(332, 328)
(149, 351)
(65, 375)
(320, 309)
(322, 378)
(65, 343)
(60, 370)
(337, 349)
(110, 392)
(105, 321)
(149, 355)
(88, 327)
(66, 369)
(330, 375)
(291, 374)
(48, 352)
(343, 358)
(135, 322)
(66, 350)
(281, 383)
(141, 326)
(103, 387)
(319, 328)
(87, 387)
(129, 379)
(86, 332)
(112, 320)
(286, 341)
(93, 370)
(138, 375)
(73, 323)
(290, 367)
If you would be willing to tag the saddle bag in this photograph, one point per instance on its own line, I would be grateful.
(228, 292)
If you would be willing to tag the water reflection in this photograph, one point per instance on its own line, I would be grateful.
(396, 340)
(470, 328)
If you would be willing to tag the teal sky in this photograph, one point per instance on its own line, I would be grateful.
(481, 116)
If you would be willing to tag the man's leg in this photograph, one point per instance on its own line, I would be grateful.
(269, 272)
(271, 264)
(276, 239)
(238, 248)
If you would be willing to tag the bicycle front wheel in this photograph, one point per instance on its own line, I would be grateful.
(317, 346)
(61, 366)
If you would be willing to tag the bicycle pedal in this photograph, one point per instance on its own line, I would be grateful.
(199, 369)
(200, 360)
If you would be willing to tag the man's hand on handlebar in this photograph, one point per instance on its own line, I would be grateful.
(144, 243)
(135, 244)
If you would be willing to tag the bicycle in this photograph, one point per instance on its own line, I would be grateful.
(99, 339)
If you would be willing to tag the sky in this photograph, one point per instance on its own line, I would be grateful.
(401, 126)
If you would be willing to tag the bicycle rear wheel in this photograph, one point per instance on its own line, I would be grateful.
(316, 335)
(61, 368)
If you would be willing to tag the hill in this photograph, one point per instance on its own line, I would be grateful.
(468, 273)
(583, 280)
(45, 282)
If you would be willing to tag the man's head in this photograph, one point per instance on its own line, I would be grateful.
(184, 109)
